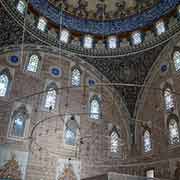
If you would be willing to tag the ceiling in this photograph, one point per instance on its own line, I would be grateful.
(129, 69)
(104, 9)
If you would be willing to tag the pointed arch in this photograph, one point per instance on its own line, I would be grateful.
(114, 140)
(33, 63)
(18, 122)
(95, 108)
(5, 81)
(168, 98)
(51, 96)
(176, 59)
(173, 129)
(76, 76)
(147, 141)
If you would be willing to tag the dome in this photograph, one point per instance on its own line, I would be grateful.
(103, 9)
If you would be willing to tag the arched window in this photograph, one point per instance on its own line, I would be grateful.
(147, 141)
(21, 6)
(136, 38)
(4, 82)
(176, 59)
(76, 77)
(160, 27)
(64, 36)
(173, 132)
(88, 42)
(42, 24)
(70, 136)
(168, 98)
(112, 42)
(95, 109)
(51, 96)
(33, 63)
(18, 122)
(114, 142)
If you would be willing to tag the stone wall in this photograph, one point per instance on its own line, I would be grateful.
(45, 143)
(151, 114)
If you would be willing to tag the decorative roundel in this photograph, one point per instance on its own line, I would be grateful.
(164, 68)
(55, 71)
(14, 59)
(91, 82)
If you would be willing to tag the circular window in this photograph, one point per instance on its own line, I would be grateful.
(55, 71)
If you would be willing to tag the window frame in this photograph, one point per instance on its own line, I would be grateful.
(38, 66)
(22, 109)
(7, 72)
(44, 24)
(150, 136)
(172, 109)
(98, 99)
(54, 86)
(133, 38)
(62, 40)
(175, 118)
(114, 130)
(84, 40)
(80, 71)
(18, 5)
(158, 32)
(116, 43)
(176, 49)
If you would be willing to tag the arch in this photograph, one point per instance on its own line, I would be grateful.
(33, 63)
(176, 59)
(51, 96)
(114, 140)
(168, 98)
(70, 136)
(147, 141)
(42, 23)
(18, 122)
(64, 36)
(76, 76)
(160, 27)
(95, 107)
(173, 129)
(5, 81)
(21, 6)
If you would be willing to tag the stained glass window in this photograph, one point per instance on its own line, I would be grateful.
(147, 141)
(168, 97)
(173, 132)
(70, 136)
(21, 7)
(88, 42)
(176, 58)
(160, 27)
(112, 42)
(50, 101)
(4, 82)
(41, 24)
(76, 77)
(18, 125)
(64, 37)
(94, 108)
(136, 37)
(33, 63)
(114, 142)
